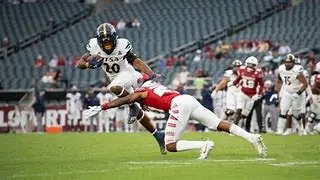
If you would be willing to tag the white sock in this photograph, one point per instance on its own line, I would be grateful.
(238, 131)
(281, 124)
(183, 145)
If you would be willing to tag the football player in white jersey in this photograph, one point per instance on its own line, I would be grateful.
(116, 58)
(315, 106)
(229, 76)
(104, 117)
(74, 108)
(292, 84)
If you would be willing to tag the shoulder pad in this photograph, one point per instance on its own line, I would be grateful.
(298, 68)
(92, 46)
(228, 73)
(124, 45)
(281, 67)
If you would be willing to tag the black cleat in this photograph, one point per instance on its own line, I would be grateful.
(133, 113)
(160, 139)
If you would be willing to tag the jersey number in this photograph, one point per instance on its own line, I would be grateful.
(114, 68)
(287, 80)
(248, 83)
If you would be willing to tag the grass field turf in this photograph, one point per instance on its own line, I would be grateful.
(136, 156)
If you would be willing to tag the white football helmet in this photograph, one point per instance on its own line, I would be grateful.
(251, 61)
(318, 67)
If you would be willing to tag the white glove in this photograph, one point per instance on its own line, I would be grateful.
(255, 97)
(92, 111)
(295, 96)
(274, 96)
(213, 94)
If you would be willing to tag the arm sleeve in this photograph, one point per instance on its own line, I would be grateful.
(130, 56)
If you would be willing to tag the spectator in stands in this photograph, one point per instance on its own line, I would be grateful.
(254, 46)
(161, 64)
(170, 61)
(121, 24)
(39, 106)
(181, 61)
(4, 46)
(183, 75)
(263, 46)
(175, 81)
(181, 90)
(61, 61)
(199, 83)
(54, 61)
(75, 61)
(198, 56)
(284, 49)
(5, 42)
(48, 77)
(222, 49)
(39, 63)
(136, 23)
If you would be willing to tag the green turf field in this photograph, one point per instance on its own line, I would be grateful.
(135, 156)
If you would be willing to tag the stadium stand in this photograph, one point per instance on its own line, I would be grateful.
(159, 33)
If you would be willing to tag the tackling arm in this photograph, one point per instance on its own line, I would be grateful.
(131, 98)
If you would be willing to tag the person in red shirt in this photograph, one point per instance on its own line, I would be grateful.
(250, 80)
(181, 108)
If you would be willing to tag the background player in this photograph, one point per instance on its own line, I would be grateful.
(181, 109)
(229, 76)
(315, 106)
(116, 58)
(249, 78)
(292, 83)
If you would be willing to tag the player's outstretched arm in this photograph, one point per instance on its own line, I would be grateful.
(131, 98)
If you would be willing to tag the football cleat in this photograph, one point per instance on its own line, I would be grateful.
(259, 145)
(133, 113)
(206, 149)
(160, 139)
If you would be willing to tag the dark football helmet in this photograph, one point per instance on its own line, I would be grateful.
(107, 37)
(289, 61)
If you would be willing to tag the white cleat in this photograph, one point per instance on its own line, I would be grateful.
(205, 150)
(288, 132)
(259, 145)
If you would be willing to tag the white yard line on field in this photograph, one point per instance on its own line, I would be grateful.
(199, 161)
(296, 163)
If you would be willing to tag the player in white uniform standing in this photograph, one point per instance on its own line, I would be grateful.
(74, 108)
(116, 58)
(229, 76)
(315, 106)
(105, 116)
(292, 83)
